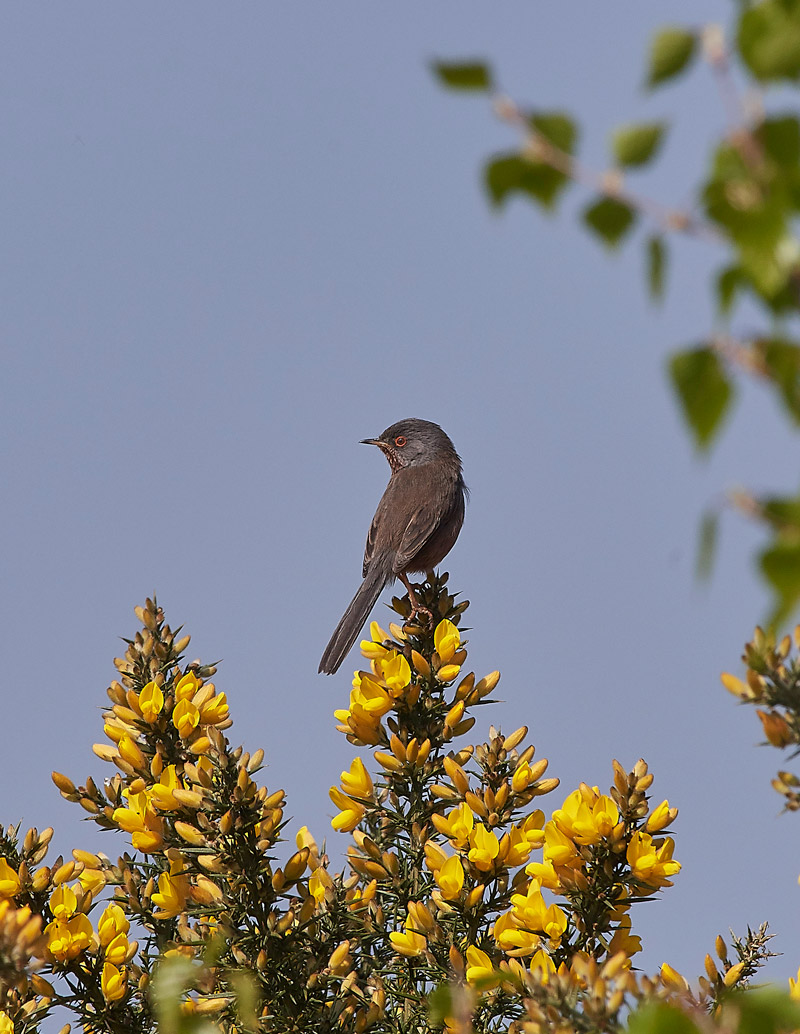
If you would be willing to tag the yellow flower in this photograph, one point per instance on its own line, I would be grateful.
(319, 883)
(373, 647)
(533, 828)
(361, 726)
(305, 838)
(151, 701)
(559, 849)
(659, 818)
(532, 914)
(63, 902)
(6, 1023)
(519, 847)
(112, 929)
(586, 822)
(542, 966)
(371, 697)
(185, 718)
(113, 982)
(435, 857)
(358, 897)
(650, 864)
(457, 826)
(187, 686)
(484, 848)
(672, 978)
(522, 777)
(141, 821)
(92, 880)
(409, 943)
(351, 812)
(357, 782)
(623, 940)
(161, 792)
(479, 965)
(9, 880)
(130, 751)
(446, 639)
(545, 873)
(511, 938)
(776, 728)
(393, 671)
(173, 889)
(794, 987)
(450, 878)
(215, 710)
(66, 940)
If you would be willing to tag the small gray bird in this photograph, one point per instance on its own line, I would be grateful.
(415, 526)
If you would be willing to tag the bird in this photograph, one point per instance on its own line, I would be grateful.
(415, 526)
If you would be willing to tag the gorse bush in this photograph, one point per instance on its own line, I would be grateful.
(461, 905)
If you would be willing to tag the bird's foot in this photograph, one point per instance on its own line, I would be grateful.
(416, 610)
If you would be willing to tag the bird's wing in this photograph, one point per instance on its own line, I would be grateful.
(396, 512)
(417, 532)
(372, 537)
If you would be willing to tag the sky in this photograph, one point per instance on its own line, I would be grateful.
(236, 241)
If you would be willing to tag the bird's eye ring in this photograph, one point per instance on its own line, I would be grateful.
(400, 441)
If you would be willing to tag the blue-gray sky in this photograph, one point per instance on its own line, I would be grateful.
(236, 240)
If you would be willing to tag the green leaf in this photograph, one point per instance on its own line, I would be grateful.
(556, 127)
(730, 282)
(507, 174)
(753, 205)
(660, 1018)
(637, 143)
(703, 390)
(780, 565)
(440, 1004)
(782, 513)
(656, 252)
(768, 38)
(780, 138)
(463, 75)
(765, 1010)
(707, 544)
(781, 360)
(610, 220)
(670, 52)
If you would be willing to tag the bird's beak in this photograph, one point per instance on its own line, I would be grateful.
(372, 441)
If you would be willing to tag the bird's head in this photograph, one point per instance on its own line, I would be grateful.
(412, 442)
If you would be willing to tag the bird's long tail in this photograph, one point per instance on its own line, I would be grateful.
(353, 619)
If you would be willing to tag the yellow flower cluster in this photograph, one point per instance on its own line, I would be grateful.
(376, 692)
(356, 791)
(70, 934)
(772, 679)
(192, 707)
(479, 847)
(391, 683)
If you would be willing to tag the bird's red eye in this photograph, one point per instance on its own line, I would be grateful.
(400, 441)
